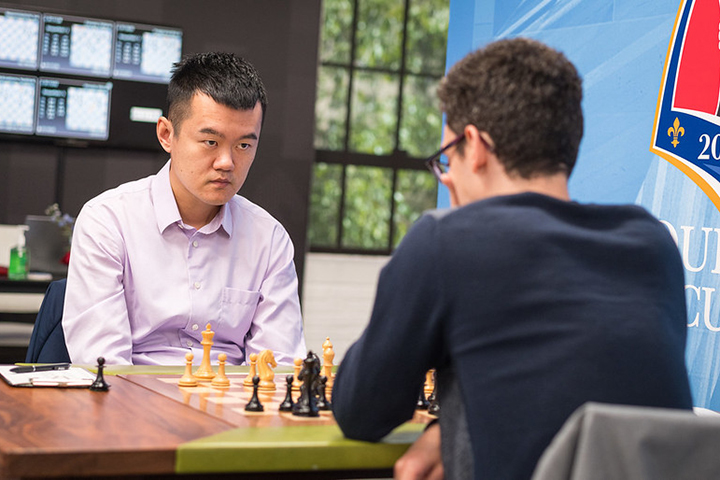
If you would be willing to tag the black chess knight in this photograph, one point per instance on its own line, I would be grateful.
(306, 406)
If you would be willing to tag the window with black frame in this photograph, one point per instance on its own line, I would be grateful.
(377, 117)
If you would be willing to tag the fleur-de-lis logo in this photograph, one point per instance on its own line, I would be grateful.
(675, 131)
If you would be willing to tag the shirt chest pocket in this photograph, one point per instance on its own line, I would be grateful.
(237, 308)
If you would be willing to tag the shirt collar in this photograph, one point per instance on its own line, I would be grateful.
(167, 212)
(227, 219)
(223, 220)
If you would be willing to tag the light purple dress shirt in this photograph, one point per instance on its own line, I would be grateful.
(142, 285)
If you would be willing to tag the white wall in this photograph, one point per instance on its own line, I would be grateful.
(9, 235)
(338, 296)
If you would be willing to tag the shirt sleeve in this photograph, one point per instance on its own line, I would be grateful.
(379, 379)
(277, 323)
(95, 317)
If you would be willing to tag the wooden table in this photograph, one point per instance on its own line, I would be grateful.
(137, 429)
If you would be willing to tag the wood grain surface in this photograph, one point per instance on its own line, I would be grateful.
(76, 432)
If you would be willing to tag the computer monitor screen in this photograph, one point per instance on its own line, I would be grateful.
(73, 108)
(17, 103)
(145, 52)
(76, 45)
(19, 34)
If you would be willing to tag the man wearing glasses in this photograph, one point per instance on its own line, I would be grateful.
(528, 304)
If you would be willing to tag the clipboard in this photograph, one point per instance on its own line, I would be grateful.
(72, 377)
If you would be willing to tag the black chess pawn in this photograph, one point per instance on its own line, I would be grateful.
(322, 402)
(100, 385)
(306, 406)
(287, 404)
(254, 404)
(422, 403)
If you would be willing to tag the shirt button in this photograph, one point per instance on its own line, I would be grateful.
(195, 327)
(195, 244)
(196, 285)
(189, 343)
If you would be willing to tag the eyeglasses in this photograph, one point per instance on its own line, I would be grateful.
(437, 166)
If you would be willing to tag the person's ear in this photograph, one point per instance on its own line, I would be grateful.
(476, 151)
(164, 130)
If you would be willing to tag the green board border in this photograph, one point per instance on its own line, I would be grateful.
(296, 448)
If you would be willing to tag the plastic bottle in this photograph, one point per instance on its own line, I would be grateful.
(19, 258)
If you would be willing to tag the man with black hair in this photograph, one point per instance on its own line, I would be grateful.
(528, 304)
(155, 260)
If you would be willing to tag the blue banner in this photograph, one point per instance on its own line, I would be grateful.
(651, 78)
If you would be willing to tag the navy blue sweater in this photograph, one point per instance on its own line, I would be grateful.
(538, 306)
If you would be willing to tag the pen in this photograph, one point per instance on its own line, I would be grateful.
(40, 368)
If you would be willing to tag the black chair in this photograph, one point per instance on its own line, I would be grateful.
(47, 343)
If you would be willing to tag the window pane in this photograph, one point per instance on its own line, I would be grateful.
(378, 40)
(336, 31)
(374, 113)
(331, 108)
(367, 207)
(427, 36)
(416, 192)
(421, 125)
(325, 205)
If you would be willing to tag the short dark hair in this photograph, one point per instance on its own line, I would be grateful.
(526, 96)
(228, 79)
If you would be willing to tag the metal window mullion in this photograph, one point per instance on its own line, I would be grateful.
(401, 84)
(363, 68)
(348, 116)
(391, 234)
(341, 213)
(396, 160)
(351, 72)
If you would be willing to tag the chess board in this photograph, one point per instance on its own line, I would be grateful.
(91, 47)
(17, 104)
(229, 403)
(18, 39)
(87, 109)
(159, 53)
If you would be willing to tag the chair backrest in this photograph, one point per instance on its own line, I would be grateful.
(47, 343)
(601, 441)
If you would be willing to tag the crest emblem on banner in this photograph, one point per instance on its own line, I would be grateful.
(687, 119)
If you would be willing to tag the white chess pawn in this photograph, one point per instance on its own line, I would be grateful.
(221, 380)
(188, 380)
(248, 382)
